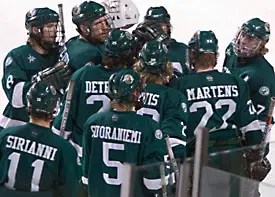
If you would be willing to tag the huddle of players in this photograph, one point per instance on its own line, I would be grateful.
(121, 79)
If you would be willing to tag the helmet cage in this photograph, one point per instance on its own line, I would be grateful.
(246, 44)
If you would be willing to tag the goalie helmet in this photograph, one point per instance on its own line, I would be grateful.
(160, 15)
(124, 13)
(42, 98)
(153, 57)
(40, 16)
(119, 43)
(123, 84)
(251, 38)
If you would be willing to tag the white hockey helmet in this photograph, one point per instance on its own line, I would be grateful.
(124, 13)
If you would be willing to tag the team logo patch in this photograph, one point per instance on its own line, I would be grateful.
(114, 117)
(264, 90)
(53, 90)
(76, 10)
(9, 60)
(128, 35)
(128, 79)
(184, 107)
(158, 134)
(209, 78)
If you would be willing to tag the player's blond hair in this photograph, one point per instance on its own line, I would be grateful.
(147, 77)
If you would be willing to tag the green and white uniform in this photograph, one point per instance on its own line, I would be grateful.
(90, 95)
(220, 102)
(112, 138)
(19, 66)
(37, 163)
(167, 107)
(259, 76)
(82, 52)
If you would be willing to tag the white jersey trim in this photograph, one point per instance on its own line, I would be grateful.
(154, 184)
(57, 132)
(175, 142)
(77, 147)
(6, 122)
(253, 126)
(84, 180)
(17, 95)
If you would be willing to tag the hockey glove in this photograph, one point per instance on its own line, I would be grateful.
(57, 76)
(260, 169)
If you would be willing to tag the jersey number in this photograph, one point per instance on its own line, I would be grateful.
(151, 112)
(36, 175)
(113, 164)
(103, 98)
(209, 112)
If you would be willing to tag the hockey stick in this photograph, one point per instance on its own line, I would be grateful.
(267, 125)
(163, 181)
(63, 49)
(66, 108)
(172, 158)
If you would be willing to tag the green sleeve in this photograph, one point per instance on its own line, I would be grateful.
(68, 181)
(175, 120)
(15, 81)
(153, 154)
(86, 147)
(247, 119)
(72, 110)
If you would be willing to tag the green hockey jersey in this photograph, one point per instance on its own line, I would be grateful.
(168, 107)
(90, 95)
(19, 66)
(35, 162)
(82, 52)
(221, 103)
(258, 74)
(112, 138)
(177, 54)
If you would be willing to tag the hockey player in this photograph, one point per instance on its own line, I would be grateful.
(157, 18)
(221, 103)
(90, 93)
(120, 135)
(23, 64)
(164, 104)
(93, 25)
(245, 58)
(34, 161)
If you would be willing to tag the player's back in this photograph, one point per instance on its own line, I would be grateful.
(35, 160)
(113, 138)
(218, 101)
(82, 52)
(166, 106)
(90, 95)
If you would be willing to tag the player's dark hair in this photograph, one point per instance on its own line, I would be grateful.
(40, 115)
(205, 61)
(118, 62)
